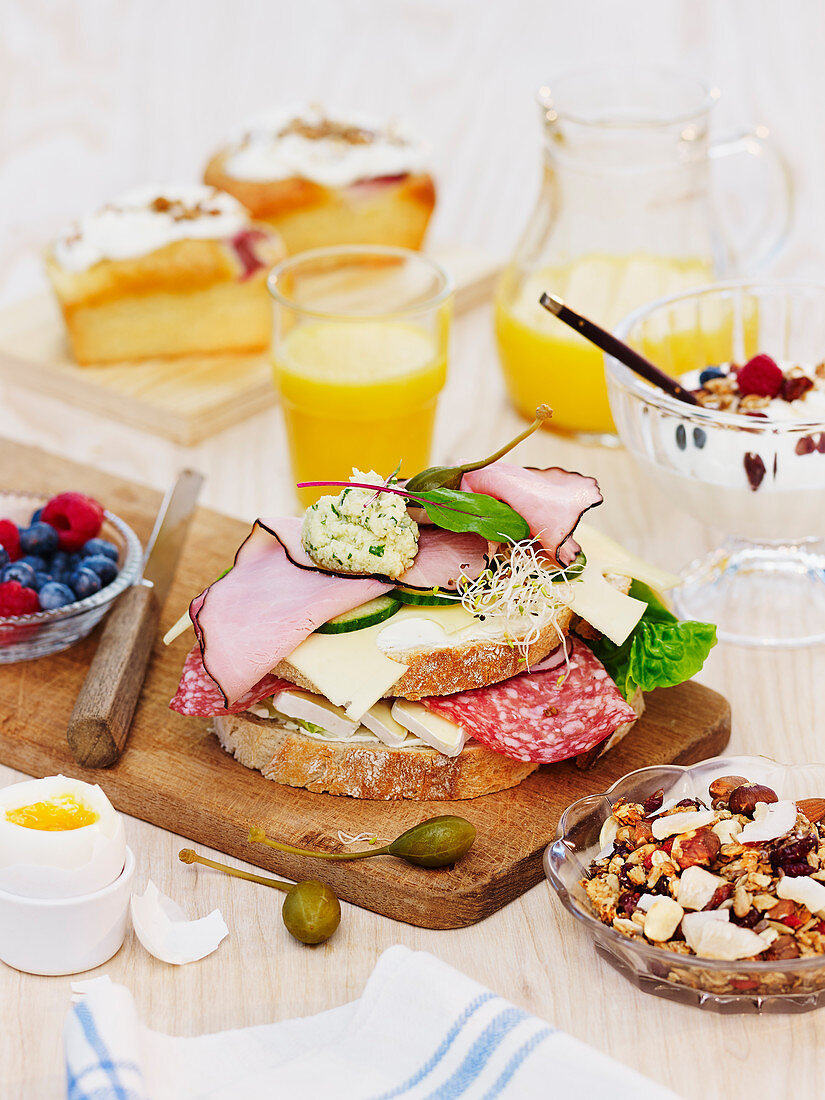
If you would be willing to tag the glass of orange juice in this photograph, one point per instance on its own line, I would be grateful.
(360, 345)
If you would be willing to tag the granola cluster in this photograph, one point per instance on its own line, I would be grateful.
(741, 879)
(750, 389)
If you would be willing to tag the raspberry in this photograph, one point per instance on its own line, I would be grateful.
(760, 375)
(10, 539)
(75, 517)
(17, 600)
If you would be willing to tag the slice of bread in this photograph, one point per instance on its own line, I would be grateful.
(366, 771)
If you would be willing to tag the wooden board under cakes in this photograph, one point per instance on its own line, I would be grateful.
(184, 400)
(174, 773)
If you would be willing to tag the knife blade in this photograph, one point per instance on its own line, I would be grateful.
(105, 706)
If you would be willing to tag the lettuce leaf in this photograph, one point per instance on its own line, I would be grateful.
(660, 652)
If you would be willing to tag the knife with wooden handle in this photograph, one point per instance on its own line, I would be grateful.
(103, 711)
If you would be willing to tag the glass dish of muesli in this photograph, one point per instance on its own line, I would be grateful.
(704, 884)
(748, 461)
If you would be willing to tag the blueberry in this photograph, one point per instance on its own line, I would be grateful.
(53, 595)
(4, 557)
(700, 437)
(40, 579)
(36, 516)
(38, 563)
(94, 547)
(59, 564)
(40, 538)
(18, 571)
(711, 372)
(84, 582)
(105, 568)
(681, 437)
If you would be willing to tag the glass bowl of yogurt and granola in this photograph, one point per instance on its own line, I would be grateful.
(704, 884)
(748, 461)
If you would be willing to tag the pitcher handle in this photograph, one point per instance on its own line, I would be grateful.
(769, 234)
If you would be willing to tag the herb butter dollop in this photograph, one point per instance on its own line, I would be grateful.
(359, 531)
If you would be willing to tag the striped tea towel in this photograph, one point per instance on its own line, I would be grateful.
(420, 1031)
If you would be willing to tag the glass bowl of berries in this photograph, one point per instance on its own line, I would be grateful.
(747, 461)
(704, 884)
(64, 560)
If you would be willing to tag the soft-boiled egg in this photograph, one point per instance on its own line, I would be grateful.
(59, 838)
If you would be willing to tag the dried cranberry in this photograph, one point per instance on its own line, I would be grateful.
(668, 844)
(793, 388)
(744, 983)
(797, 870)
(755, 469)
(628, 902)
(689, 803)
(622, 848)
(820, 443)
(792, 852)
(792, 921)
(654, 803)
(805, 445)
(752, 917)
(722, 893)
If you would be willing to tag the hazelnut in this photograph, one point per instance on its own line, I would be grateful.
(721, 788)
(696, 849)
(812, 808)
(781, 910)
(784, 947)
(743, 799)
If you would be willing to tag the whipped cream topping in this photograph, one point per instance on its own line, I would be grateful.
(148, 218)
(328, 149)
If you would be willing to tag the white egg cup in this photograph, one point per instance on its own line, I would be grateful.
(55, 936)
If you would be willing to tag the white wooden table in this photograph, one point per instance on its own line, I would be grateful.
(148, 88)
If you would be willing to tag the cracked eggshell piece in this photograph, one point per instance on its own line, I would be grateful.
(770, 821)
(720, 940)
(663, 827)
(804, 891)
(165, 931)
(693, 923)
(696, 887)
(662, 919)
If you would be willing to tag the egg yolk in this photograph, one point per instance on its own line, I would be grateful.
(59, 815)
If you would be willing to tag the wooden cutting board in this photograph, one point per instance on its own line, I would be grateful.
(175, 775)
(185, 400)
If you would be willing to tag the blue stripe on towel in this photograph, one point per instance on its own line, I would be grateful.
(448, 1041)
(512, 1066)
(479, 1054)
(104, 1061)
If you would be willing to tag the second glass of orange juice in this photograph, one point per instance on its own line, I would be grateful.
(360, 355)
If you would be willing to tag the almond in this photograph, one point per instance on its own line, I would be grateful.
(812, 808)
(785, 947)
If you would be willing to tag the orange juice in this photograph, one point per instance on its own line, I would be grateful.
(358, 393)
(545, 361)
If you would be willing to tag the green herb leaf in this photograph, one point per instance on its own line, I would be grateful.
(378, 550)
(660, 652)
(475, 512)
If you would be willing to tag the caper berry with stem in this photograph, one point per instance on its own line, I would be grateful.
(311, 910)
(438, 842)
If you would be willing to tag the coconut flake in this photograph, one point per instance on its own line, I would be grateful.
(719, 940)
(728, 829)
(664, 827)
(693, 923)
(646, 900)
(804, 891)
(770, 821)
(165, 931)
(608, 833)
(696, 887)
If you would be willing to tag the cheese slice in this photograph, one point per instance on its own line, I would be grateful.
(437, 732)
(614, 558)
(379, 720)
(313, 708)
(601, 605)
(349, 669)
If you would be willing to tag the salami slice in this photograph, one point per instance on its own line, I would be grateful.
(542, 716)
(198, 696)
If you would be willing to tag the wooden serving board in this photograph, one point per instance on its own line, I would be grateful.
(175, 774)
(184, 400)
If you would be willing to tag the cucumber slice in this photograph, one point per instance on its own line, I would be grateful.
(368, 614)
(423, 599)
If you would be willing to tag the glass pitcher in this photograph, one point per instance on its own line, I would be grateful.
(626, 213)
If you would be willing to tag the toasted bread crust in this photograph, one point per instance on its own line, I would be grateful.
(366, 771)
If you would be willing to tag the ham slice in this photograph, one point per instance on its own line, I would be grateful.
(444, 557)
(552, 501)
(198, 696)
(257, 614)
